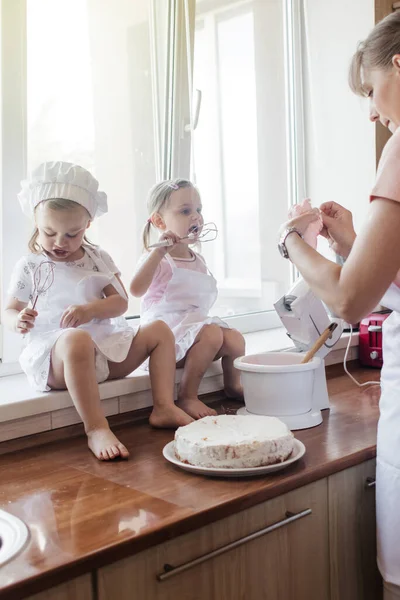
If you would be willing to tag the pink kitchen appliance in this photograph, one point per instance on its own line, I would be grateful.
(370, 339)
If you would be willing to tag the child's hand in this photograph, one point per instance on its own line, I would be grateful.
(172, 238)
(25, 320)
(75, 315)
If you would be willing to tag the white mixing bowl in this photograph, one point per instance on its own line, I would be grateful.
(276, 384)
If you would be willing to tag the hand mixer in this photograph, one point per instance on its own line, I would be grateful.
(208, 233)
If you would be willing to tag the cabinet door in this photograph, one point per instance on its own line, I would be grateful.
(289, 562)
(351, 498)
(76, 589)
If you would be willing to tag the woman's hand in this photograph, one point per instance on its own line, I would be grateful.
(75, 315)
(338, 228)
(302, 222)
(25, 320)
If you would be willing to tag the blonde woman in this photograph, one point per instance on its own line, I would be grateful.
(370, 274)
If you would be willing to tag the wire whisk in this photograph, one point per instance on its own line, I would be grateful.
(207, 233)
(43, 278)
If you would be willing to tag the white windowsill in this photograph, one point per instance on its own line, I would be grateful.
(41, 411)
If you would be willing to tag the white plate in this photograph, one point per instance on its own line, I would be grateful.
(298, 451)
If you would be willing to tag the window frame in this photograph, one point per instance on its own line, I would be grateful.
(13, 154)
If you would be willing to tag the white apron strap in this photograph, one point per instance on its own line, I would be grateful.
(101, 265)
(199, 256)
(170, 261)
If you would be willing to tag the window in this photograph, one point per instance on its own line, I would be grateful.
(98, 108)
(84, 92)
(242, 158)
(106, 84)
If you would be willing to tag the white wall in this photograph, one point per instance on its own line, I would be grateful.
(339, 135)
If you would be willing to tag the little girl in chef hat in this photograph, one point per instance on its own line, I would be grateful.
(67, 299)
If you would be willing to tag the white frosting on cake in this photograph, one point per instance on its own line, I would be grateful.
(234, 441)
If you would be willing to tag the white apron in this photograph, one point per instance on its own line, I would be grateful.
(185, 305)
(72, 285)
(388, 447)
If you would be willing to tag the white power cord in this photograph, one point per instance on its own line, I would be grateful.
(346, 369)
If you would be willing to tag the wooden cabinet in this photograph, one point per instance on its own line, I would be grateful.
(277, 550)
(76, 589)
(317, 542)
(351, 500)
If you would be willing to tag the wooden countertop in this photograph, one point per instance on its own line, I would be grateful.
(83, 514)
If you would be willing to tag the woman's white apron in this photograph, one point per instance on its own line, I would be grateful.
(388, 448)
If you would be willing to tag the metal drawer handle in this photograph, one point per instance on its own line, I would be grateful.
(375, 328)
(170, 570)
(370, 482)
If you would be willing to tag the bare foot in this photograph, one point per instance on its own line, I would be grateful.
(234, 392)
(104, 444)
(196, 408)
(170, 416)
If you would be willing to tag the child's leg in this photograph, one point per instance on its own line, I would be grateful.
(73, 367)
(198, 358)
(157, 341)
(233, 346)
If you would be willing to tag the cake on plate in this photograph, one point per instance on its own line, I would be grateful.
(234, 441)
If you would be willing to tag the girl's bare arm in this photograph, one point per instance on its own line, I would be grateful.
(18, 317)
(143, 277)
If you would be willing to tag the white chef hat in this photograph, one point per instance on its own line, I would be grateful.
(62, 180)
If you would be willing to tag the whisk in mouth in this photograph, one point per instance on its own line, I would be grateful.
(194, 229)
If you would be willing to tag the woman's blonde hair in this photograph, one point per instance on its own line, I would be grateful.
(375, 52)
(158, 198)
(54, 204)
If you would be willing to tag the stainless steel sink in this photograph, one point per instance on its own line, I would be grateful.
(13, 536)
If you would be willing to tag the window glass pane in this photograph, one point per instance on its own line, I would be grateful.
(59, 84)
(90, 100)
(240, 152)
(238, 97)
